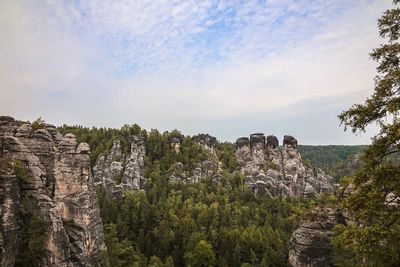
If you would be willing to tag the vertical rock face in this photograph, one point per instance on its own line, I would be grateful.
(272, 170)
(272, 142)
(175, 141)
(134, 165)
(56, 188)
(310, 244)
(211, 166)
(109, 169)
(207, 141)
(118, 172)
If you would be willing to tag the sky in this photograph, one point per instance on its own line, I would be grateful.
(227, 68)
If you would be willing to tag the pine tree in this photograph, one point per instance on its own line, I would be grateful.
(375, 241)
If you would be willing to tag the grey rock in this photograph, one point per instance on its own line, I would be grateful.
(116, 171)
(206, 140)
(8, 126)
(83, 148)
(272, 141)
(260, 188)
(68, 143)
(290, 141)
(24, 130)
(257, 138)
(310, 244)
(242, 141)
(280, 167)
(57, 188)
(216, 179)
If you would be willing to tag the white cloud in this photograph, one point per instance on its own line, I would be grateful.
(164, 63)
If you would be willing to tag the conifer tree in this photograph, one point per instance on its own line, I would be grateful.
(374, 202)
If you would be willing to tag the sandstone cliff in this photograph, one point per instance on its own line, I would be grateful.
(46, 177)
(118, 172)
(268, 168)
(310, 244)
(279, 171)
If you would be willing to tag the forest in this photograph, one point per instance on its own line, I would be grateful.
(198, 224)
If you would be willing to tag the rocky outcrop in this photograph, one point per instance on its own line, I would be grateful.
(310, 244)
(46, 177)
(175, 140)
(118, 172)
(279, 171)
(211, 167)
(207, 141)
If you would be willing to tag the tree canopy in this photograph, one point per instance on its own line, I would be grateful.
(375, 239)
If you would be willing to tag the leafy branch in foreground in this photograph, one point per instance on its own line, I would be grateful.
(375, 239)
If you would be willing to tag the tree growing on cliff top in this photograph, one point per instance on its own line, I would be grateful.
(376, 241)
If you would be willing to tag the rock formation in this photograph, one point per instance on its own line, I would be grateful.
(310, 244)
(206, 168)
(210, 167)
(207, 141)
(118, 172)
(56, 188)
(279, 171)
(175, 141)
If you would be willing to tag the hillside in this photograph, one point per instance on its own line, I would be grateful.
(336, 160)
(75, 196)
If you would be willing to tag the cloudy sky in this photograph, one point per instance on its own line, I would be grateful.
(228, 68)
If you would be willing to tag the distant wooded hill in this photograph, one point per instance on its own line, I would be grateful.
(336, 160)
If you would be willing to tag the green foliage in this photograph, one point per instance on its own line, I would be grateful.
(372, 245)
(34, 230)
(199, 225)
(101, 139)
(226, 154)
(332, 158)
(190, 225)
(202, 255)
(32, 241)
(160, 153)
(121, 253)
(38, 124)
(20, 172)
(375, 240)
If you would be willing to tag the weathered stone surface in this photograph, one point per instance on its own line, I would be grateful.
(281, 168)
(57, 187)
(8, 126)
(68, 143)
(206, 140)
(76, 201)
(83, 148)
(24, 130)
(118, 172)
(257, 138)
(10, 220)
(175, 141)
(272, 141)
(310, 244)
(289, 141)
(242, 141)
(216, 179)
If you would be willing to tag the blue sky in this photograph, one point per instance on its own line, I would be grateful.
(228, 68)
